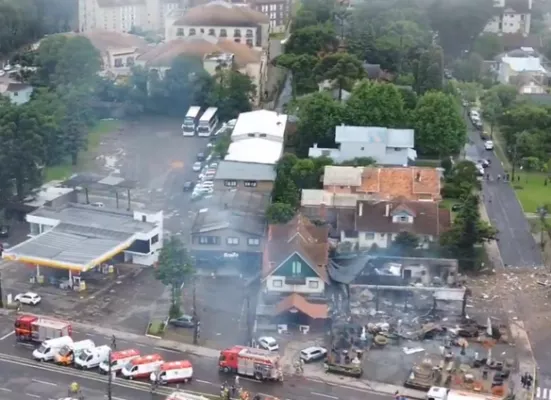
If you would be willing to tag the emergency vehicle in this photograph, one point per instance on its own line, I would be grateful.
(248, 361)
(173, 372)
(142, 367)
(30, 328)
(118, 360)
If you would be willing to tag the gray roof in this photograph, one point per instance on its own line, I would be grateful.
(213, 220)
(403, 138)
(71, 244)
(245, 171)
(93, 217)
(244, 201)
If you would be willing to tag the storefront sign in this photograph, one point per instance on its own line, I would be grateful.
(231, 255)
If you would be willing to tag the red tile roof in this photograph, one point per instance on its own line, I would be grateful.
(296, 301)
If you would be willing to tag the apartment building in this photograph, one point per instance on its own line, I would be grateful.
(512, 17)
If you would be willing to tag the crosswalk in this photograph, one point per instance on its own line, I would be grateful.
(543, 393)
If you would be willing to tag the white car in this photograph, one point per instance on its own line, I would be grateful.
(2, 72)
(268, 343)
(197, 166)
(313, 353)
(7, 67)
(489, 145)
(28, 298)
(98, 204)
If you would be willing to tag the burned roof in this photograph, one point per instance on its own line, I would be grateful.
(94, 181)
(208, 220)
(239, 201)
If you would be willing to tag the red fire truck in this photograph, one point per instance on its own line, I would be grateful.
(257, 363)
(31, 328)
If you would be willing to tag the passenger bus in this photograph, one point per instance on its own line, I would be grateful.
(191, 120)
(208, 122)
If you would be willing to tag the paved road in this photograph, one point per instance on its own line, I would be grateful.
(516, 243)
(22, 381)
(207, 380)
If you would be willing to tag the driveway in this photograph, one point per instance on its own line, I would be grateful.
(515, 241)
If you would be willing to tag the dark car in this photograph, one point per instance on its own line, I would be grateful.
(188, 186)
(484, 163)
(201, 156)
(4, 231)
(185, 321)
(456, 207)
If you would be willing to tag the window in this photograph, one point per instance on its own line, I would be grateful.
(370, 236)
(230, 183)
(192, 32)
(250, 42)
(180, 32)
(313, 284)
(232, 241)
(277, 283)
(253, 242)
(237, 33)
(250, 134)
(297, 267)
(223, 33)
(209, 240)
(144, 218)
(362, 148)
(237, 40)
(211, 32)
(403, 219)
(154, 239)
(118, 62)
(249, 33)
(262, 135)
(250, 183)
(129, 61)
(202, 30)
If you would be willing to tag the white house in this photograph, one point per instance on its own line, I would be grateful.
(515, 70)
(220, 19)
(379, 222)
(513, 16)
(386, 146)
(18, 93)
(258, 137)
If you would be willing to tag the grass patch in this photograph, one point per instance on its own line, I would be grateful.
(156, 328)
(448, 204)
(65, 170)
(499, 146)
(531, 190)
(427, 163)
(277, 35)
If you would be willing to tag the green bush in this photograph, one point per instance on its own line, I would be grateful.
(156, 328)
(174, 311)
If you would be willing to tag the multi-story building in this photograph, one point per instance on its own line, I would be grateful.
(278, 11)
(513, 16)
(123, 15)
(220, 19)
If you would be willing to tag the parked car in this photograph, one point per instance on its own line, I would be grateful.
(4, 231)
(268, 343)
(313, 353)
(189, 186)
(98, 204)
(28, 298)
(484, 163)
(185, 321)
(489, 145)
(197, 166)
(201, 156)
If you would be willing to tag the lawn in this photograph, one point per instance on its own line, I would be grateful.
(532, 191)
(65, 170)
(448, 203)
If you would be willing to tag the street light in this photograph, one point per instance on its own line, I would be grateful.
(542, 212)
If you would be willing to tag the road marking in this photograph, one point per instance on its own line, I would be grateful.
(538, 390)
(200, 381)
(115, 398)
(324, 395)
(5, 389)
(248, 379)
(140, 345)
(168, 350)
(33, 395)
(544, 394)
(7, 335)
(44, 382)
(89, 334)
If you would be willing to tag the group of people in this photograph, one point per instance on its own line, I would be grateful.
(527, 380)
(235, 391)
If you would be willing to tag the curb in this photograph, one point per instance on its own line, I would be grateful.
(367, 389)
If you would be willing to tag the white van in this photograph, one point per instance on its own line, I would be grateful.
(49, 348)
(173, 372)
(68, 353)
(118, 360)
(92, 358)
(142, 367)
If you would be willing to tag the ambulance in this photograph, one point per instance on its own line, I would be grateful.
(173, 372)
(142, 367)
(118, 360)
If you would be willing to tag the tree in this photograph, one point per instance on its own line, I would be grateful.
(488, 45)
(405, 242)
(375, 104)
(524, 117)
(469, 69)
(470, 91)
(318, 115)
(491, 109)
(301, 66)
(439, 127)
(233, 94)
(461, 180)
(279, 213)
(459, 22)
(360, 162)
(341, 68)
(467, 231)
(78, 63)
(312, 40)
(174, 268)
(429, 71)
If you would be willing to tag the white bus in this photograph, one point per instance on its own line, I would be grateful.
(190, 121)
(208, 122)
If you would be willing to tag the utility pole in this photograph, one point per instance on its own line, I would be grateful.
(110, 379)
(1, 294)
(514, 162)
(248, 320)
(196, 322)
